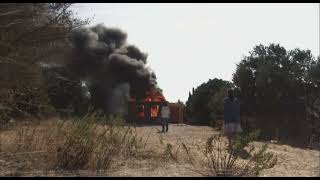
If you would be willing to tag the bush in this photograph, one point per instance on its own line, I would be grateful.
(77, 146)
(89, 147)
(90, 143)
(221, 161)
(242, 140)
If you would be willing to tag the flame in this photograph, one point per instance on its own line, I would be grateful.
(154, 96)
(151, 96)
(154, 111)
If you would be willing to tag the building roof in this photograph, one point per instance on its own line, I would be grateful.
(151, 96)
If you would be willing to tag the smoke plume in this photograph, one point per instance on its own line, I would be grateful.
(113, 69)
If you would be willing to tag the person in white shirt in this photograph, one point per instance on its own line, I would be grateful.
(165, 116)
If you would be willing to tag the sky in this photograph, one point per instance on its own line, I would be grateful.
(188, 44)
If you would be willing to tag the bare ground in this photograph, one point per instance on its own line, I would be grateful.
(292, 161)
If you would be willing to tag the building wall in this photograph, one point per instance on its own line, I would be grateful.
(176, 113)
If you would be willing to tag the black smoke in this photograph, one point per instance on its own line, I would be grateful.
(113, 69)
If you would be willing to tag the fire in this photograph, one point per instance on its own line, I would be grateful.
(154, 96)
(149, 106)
(154, 111)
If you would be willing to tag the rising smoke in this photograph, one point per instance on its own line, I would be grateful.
(113, 69)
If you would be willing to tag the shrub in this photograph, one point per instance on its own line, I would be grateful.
(221, 161)
(170, 151)
(243, 139)
(89, 143)
(77, 146)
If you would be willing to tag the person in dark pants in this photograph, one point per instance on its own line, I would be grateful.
(231, 116)
(165, 116)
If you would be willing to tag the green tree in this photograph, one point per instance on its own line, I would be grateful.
(273, 81)
(271, 72)
(205, 102)
(312, 103)
(314, 72)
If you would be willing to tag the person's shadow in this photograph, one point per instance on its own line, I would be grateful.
(159, 131)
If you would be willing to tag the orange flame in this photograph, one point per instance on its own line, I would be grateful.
(151, 96)
(154, 111)
(154, 96)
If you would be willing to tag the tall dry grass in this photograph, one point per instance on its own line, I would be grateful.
(93, 143)
(96, 145)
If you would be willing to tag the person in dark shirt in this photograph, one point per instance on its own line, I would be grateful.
(231, 116)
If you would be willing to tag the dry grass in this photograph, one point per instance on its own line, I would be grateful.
(215, 159)
(222, 161)
(194, 138)
(92, 147)
(74, 145)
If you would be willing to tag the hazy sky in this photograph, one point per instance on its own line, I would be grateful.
(188, 44)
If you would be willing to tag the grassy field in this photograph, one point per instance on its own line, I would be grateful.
(32, 149)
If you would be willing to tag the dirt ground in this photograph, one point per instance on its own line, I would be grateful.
(292, 161)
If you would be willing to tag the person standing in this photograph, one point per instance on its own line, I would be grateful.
(231, 116)
(165, 116)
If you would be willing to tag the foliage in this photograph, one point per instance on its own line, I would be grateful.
(271, 72)
(273, 83)
(204, 103)
(31, 34)
(221, 161)
(313, 103)
(314, 72)
(243, 139)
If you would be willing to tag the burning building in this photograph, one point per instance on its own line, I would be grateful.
(148, 109)
(115, 73)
